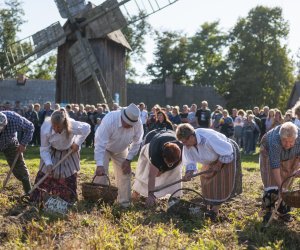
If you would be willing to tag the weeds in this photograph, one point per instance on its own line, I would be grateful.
(99, 226)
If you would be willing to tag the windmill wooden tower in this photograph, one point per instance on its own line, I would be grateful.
(91, 48)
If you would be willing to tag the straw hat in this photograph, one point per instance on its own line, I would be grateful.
(130, 114)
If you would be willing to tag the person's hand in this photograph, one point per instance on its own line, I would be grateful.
(216, 166)
(100, 171)
(151, 200)
(159, 173)
(49, 169)
(21, 148)
(263, 151)
(188, 175)
(74, 147)
(126, 167)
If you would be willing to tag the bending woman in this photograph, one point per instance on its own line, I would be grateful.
(216, 152)
(278, 159)
(59, 134)
(159, 163)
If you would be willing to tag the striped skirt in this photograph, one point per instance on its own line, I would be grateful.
(287, 168)
(63, 181)
(226, 183)
(67, 168)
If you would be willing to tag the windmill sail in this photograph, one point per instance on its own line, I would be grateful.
(70, 6)
(109, 16)
(48, 39)
(29, 49)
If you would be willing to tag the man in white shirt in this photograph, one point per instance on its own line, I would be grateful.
(143, 116)
(118, 138)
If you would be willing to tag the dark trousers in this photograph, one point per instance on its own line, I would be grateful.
(20, 170)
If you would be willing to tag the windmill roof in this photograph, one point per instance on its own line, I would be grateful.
(118, 37)
(93, 31)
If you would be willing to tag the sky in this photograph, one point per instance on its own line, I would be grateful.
(183, 15)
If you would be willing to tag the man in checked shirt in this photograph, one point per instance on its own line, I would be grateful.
(10, 124)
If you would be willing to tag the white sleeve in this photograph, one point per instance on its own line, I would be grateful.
(102, 135)
(221, 147)
(45, 144)
(187, 160)
(81, 130)
(137, 140)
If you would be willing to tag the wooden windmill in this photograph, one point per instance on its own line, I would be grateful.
(85, 22)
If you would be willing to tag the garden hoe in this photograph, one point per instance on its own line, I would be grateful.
(47, 174)
(181, 180)
(11, 170)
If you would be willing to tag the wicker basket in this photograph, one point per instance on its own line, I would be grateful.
(99, 192)
(291, 197)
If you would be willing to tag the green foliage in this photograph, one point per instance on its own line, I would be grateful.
(206, 59)
(11, 19)
(135, 33)
(171, 58)
(46, 69)
(258, 59)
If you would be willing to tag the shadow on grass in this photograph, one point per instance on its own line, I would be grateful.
(278, 235)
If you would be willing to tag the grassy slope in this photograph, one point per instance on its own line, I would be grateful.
(91, 226)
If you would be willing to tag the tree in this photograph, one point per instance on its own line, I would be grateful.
(258, 59)
(298, 65)
(170, 58)
(46, 69)
(135, 34)
(11, 19)
(206, 60)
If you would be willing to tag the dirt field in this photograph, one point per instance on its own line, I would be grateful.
(97, 226)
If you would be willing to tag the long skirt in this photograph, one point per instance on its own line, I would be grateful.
(63, 181)
(287, 168)
(65, 188)
(142, 176)
(226, 183)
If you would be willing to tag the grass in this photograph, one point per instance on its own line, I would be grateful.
(94, 226)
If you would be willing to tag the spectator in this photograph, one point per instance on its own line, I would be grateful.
(175, 118)
(32, 116)
(192, 115)
(203, 115)
(162, 121)
(143, 117)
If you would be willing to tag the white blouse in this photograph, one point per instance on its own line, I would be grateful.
(79, 132)
(211, 146)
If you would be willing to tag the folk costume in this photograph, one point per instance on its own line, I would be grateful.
(117, 143)
(211, 147)
(273, 156)
(152, 154)
(54, 146)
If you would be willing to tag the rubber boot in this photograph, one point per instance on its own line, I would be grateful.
(26, 185)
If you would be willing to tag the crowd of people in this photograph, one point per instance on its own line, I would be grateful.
(164, 138)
